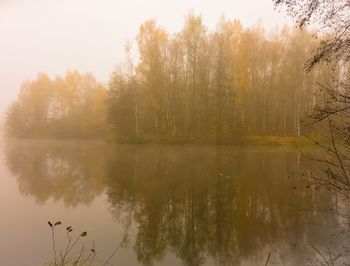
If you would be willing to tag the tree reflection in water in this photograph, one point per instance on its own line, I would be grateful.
(69, 171)
(227, 204)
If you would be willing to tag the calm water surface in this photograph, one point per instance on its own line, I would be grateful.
(180, 205)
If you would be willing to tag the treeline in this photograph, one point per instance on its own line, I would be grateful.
(194, 84)
(65, 107)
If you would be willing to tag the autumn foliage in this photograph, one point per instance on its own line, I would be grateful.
(193, 84)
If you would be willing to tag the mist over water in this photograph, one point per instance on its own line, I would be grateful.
(181, 205)
(187, 132)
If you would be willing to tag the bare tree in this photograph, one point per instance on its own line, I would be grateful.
(331, 22)
(329, 18)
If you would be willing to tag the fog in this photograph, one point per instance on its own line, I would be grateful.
(59, 35)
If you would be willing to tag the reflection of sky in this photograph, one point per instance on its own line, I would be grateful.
(175, 205)
(89, 35)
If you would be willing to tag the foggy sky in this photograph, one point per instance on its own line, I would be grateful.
(54, 36)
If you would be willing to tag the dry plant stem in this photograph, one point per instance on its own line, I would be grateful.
(268, 259)
(116, 250)
(66, 256)
(80, 255)
(73, 245)
(91, 255)
(89, 259)
(54, 245)
(68, 246)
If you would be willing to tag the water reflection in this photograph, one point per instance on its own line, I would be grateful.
(228, 204)
(68, 171)
(219, 202)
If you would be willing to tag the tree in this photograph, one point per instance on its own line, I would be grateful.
(197, 84)
(193, 36)
(121, 105)
(332, 22)
(331, 19)
(70, 106)
(152, 43)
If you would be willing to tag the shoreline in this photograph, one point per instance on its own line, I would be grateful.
(234, 141)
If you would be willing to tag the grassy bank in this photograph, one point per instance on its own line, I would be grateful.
(238, 140)
(247, 140)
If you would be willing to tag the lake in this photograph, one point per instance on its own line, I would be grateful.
(179, 205)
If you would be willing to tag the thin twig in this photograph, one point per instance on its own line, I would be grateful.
(320, 253)
(116, 250)
(268, 258)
